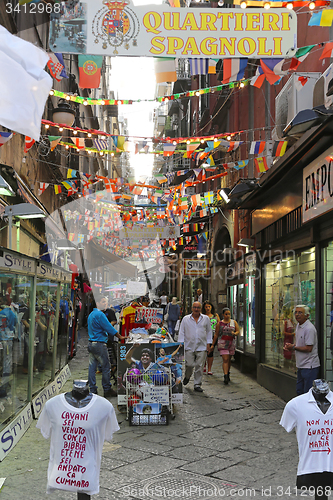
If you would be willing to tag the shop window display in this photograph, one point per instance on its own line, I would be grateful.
(46, 297)
(66, 314)
(15, 290)
(289, 282)
(328, 312)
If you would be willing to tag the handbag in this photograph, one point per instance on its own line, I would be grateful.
(166, 317)
(177, 326)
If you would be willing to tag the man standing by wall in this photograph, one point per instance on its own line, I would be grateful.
(196, 333)
(99, 329)
(306, 350)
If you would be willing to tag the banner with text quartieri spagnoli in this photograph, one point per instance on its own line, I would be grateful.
(111, 28)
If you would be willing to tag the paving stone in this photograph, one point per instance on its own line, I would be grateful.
(190, 453)
(145, 469)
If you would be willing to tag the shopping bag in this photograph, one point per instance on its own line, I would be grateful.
(177, 326)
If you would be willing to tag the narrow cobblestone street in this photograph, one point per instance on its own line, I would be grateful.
(220, 444)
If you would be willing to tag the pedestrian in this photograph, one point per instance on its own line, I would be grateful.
(99, 330)
(306, 350)
(163, 302)
(173, 312)
(225, 335)
(209, 310)
(199, 295)
(196, 333)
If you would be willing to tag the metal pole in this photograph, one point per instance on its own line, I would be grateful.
(31, 343)
(18, 224)
(10, 222)
(56, 326)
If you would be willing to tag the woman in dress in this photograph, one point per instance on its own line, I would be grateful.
(225, 333)
(209, 310)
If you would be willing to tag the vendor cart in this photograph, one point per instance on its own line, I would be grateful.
(149, 396)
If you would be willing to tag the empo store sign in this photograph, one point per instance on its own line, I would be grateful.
(119, 28)
(318, 186)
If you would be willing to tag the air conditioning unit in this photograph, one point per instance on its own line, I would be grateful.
(321, 87)
(292, 99)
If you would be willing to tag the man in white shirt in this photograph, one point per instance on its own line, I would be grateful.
(306, 350)
(196, 333)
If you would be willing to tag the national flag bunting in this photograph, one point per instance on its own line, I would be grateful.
(42, 187)
(257, 147)
(299, 57)
(100, 144)
(327, 51)
(234, 69)
(241, 164)
(71, 174)
(233, 145)
(322, 18)
(165, 69)
(28, 143)
(55, 67)
(199, 66)
(89, 71)
(57, 189)
(79, 142)
(261, 164)
(54, 141)
(168, 149)
(5, 137)
(279, 148)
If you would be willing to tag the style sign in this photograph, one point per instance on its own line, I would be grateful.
(196, 267)
(111, 28)
(318, 186)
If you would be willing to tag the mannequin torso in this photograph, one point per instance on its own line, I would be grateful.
(80, 395)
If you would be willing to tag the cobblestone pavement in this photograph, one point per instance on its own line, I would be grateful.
(224, 442)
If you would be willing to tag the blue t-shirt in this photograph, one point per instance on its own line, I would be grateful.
(99, 327)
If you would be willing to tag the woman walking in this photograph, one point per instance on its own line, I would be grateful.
(225, 333)
(209, 310)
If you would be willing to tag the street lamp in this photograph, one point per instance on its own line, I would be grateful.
(20, 211)
(63, 114)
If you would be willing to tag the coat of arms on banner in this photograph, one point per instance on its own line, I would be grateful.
(115, 24)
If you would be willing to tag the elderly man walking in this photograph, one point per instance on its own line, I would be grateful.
(196, 333)
(306, 350)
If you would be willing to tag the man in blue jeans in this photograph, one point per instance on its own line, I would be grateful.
(99, 330)
(306, 350)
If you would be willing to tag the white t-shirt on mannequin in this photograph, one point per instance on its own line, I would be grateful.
(77, 437)
(314, 432)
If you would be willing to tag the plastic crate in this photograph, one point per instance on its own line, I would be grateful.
(157, 419)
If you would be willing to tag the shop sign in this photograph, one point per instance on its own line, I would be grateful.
(10, 435)
(49, 391)
(152, 233)
(318, 186)
(48, 271)
(250, 264)
(118, 28)
(196, 267)
(156, 394)
(15, 262)
(136, 288)
(149, 315)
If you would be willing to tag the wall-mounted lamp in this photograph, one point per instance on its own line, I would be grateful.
(224, 194)
(243, 188)
(246, 242)
(21, 211)
(5, 189)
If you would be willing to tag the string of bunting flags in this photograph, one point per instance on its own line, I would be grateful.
(233, 71)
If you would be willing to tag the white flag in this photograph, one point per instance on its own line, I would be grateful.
(24, 85)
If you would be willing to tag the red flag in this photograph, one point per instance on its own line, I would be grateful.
(28, 143)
